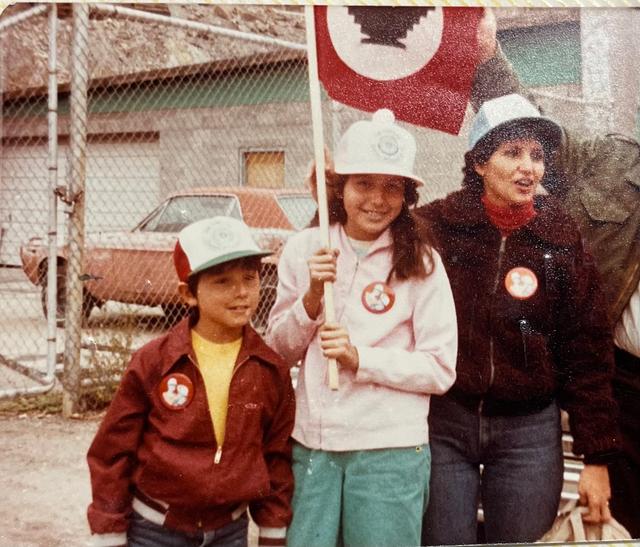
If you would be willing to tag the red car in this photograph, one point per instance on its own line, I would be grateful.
(136, 266)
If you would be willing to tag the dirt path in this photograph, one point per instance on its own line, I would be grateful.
(44, 481)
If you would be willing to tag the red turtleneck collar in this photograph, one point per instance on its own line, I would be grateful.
(509, 218)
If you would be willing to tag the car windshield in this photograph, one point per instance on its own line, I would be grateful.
(299, 209)
(180, 211)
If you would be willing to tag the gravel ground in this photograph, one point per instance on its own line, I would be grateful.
(45, 481)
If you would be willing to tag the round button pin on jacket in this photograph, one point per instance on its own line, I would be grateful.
(378, 297)
(176, 391)
(521, 283)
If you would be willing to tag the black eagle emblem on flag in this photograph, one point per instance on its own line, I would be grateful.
(417, 61)
(386, 26)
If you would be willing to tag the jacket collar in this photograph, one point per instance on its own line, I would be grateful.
(179, 347)
(551, 224)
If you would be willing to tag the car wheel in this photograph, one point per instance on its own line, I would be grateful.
(174, 312)
(88, 301)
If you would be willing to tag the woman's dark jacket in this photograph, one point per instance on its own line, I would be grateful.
(517, 355)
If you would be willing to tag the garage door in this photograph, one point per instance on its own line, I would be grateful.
(23, 197)
(122, 186)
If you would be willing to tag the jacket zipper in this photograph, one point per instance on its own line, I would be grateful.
(524, 330)
(218, 455)
(353, 278)
(503, 245)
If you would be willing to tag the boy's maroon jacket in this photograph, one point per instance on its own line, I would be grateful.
(168, 455)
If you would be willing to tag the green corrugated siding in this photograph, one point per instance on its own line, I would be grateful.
(544, 56)
(273, 85)
(284, 84)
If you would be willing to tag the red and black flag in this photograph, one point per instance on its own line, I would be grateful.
(417, 61)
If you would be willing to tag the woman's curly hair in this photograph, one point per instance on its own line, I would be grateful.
(483, 150)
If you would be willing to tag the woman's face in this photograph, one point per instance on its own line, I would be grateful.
(372, 203)
(513, 172)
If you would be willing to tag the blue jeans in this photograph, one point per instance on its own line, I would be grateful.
(144, 533)
(519, 484)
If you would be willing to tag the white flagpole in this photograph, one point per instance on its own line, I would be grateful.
(318, 146)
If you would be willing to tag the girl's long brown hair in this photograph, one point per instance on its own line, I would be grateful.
(409, 246)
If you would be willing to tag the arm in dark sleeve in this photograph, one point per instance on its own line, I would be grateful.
(112, 455)
(584, 352)
(273, 513)
(495, 78)
(611, 161)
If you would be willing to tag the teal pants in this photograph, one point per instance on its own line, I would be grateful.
(364, 498)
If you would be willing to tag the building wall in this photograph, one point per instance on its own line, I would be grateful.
(546, 56)
(584, 65)
(204, 147)
(192, 131)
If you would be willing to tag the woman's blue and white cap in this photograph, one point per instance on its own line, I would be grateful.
(511, 110)
(210, 242)
(378, 147)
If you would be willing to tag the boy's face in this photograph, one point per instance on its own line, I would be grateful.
(226, 300)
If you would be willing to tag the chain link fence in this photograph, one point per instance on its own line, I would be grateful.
(183, 119)
(163, 115)
(121, 125)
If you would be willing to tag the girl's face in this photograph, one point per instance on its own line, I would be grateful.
(372, 203)
(512, 173)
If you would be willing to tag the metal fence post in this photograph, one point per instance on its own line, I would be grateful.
(52, 139)
(77, 163)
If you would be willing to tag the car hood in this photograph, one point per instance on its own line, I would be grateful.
(266, 238)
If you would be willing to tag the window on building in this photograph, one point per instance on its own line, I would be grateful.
(264, 168)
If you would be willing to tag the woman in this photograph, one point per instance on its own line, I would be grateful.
(361, 456)
(533, 337)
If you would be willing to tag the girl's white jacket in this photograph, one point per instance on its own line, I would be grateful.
(406, 353)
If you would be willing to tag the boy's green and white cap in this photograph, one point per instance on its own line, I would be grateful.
(210, 242)
(378, 147)
(512, 110)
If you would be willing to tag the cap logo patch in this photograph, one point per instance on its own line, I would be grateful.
(387, 146)
(521, 283)
(176, 391)
(378, 297)
(219, 237)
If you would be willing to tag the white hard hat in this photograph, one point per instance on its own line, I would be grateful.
(511, 110)
(377, 147)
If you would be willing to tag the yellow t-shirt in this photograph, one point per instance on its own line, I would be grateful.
(216, 362)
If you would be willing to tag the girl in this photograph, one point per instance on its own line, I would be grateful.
(534, 335)
(361, 454)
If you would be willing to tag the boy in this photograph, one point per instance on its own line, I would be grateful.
(199, 428)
